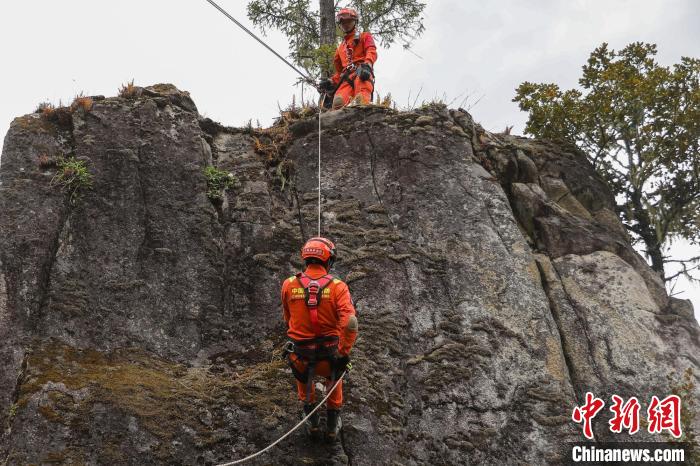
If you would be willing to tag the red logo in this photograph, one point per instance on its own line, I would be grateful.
(587, 412)
(661, 415)
(665, 415)
(626, 415)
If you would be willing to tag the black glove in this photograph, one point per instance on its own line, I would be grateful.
(364, 72)
(325, 86)
(342, 364)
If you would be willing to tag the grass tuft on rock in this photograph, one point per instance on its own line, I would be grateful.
(82, 103)
(129, 90)
(73, 176)
(218, 182)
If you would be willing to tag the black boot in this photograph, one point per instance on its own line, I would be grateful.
(333, 424)
(313, 424)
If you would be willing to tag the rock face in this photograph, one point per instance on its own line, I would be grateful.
(141, 324)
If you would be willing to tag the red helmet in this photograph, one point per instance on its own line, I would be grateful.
(320, 248)
(346, 13)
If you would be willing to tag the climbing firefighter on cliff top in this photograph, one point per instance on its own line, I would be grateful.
(354, 60)
(322, 326)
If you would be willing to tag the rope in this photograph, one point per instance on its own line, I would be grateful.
(250, 457)
(303, 75)
(252, 34)
(320, 109)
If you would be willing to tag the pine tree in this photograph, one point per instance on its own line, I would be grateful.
(312, 32)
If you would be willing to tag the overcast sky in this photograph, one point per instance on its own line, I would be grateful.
(51, 51)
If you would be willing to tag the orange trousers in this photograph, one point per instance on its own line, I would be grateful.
(323, 368)
(346, 92)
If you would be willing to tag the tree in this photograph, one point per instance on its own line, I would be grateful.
(312, 32)
(639, 123)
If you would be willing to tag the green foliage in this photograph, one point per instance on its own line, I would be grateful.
(388, 20)
(13, 410)
(320, 60)
(73, 176)
(685, 390)
(285, 173)
(639, 123)
(218, 182)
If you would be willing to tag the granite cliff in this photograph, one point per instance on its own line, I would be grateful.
(140, 322)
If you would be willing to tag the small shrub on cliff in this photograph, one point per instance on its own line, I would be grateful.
(73, 177)
(129, 91)
(60, 115)
(387, 101)
(218, 182)
(44, 107)
(81, 102)
(45, 161)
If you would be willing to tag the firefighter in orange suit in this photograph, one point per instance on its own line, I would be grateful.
(322, 326)
(354, 63)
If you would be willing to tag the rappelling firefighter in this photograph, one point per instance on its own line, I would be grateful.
(322, 326)
(354, 60)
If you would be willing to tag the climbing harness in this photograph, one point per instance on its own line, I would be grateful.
(301, 423)
(306, 78)
(313, 288)
(321, 347)
(349, 52)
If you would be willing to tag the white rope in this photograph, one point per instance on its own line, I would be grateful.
(320, 109)
(262, 42)
(250, 457)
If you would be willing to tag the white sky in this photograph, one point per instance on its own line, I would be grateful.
(53, 50)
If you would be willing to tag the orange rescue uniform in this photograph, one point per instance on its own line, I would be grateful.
(334, 310)
(347, 53)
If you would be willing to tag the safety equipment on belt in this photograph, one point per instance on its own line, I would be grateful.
(326, 86)
(327, 102)
(319, 248)
(346, 13)
(342, 364)
(364, 72)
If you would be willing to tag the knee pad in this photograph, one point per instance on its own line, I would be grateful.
(352, 324)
